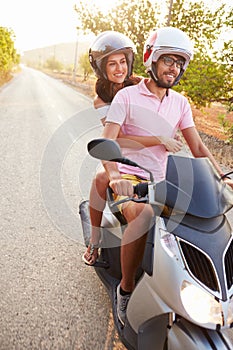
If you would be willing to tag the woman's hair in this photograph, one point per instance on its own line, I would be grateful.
(106, 89)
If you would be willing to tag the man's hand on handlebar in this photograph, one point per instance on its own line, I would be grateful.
(122, 187)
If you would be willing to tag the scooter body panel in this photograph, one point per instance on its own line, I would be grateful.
(156, 316)
(184, 335)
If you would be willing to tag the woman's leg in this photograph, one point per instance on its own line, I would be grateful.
(97, 199)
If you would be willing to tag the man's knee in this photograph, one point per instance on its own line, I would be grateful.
(139, 211)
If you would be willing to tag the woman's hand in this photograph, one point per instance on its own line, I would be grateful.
(172, 144)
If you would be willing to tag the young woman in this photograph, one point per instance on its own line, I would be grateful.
(111, 57)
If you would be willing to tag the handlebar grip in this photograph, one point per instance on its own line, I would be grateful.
(141, 189)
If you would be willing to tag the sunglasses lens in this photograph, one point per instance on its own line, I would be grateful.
(169, 61)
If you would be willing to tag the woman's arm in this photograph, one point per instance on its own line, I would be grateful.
(100, 104)
(137, 142)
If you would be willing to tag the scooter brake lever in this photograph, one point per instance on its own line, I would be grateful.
(140, 200)
(132, 199)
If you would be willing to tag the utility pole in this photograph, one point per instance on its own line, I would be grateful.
(169, 13)
(75, 58)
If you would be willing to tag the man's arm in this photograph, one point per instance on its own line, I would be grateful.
(118, 185)
(198, 149)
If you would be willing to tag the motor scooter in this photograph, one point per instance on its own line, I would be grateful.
(183, 299)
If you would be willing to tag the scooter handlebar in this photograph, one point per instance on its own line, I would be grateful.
(141, 189)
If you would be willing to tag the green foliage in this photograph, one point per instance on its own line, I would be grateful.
(227, 127)
(133, 18)
(8, 54)
(206, 81)
(209, 76)
(53, 64)
(203, 25)
(85, 65)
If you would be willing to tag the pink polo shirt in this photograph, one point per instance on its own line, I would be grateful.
(141, 113)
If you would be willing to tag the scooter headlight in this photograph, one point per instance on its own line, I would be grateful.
(168, 242)
(201, 307)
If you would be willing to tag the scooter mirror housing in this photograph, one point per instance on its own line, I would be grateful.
(106, 149)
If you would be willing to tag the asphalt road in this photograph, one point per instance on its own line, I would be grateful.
(48, 298)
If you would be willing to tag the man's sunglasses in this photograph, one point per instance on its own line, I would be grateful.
(169, 61)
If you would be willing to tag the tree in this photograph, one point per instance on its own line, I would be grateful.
(53, 64)
(209, 75)
(206, 81)
(8, 54)
(85, 65)
(133, 18)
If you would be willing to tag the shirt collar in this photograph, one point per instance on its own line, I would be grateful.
(145, 91)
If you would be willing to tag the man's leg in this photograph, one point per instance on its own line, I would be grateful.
(138, 216)
(132, 249)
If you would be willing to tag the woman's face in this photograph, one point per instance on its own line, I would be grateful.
(116, 68)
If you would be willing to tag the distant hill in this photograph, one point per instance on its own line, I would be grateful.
(64, 53)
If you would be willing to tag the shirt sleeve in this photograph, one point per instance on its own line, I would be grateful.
(118, 109)
(101, 112)
(187, 116)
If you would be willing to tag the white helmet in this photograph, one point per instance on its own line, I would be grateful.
(163, 41)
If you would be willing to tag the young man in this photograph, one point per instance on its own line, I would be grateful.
(148, 110)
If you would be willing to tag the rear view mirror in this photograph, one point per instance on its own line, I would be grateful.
(104, 149)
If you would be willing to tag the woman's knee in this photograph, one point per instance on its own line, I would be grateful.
(101, 179)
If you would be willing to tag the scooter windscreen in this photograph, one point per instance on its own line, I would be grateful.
(194, 187)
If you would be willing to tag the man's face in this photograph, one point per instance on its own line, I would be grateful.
(167, 69)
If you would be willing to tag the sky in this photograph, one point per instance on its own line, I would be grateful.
(39, 23)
